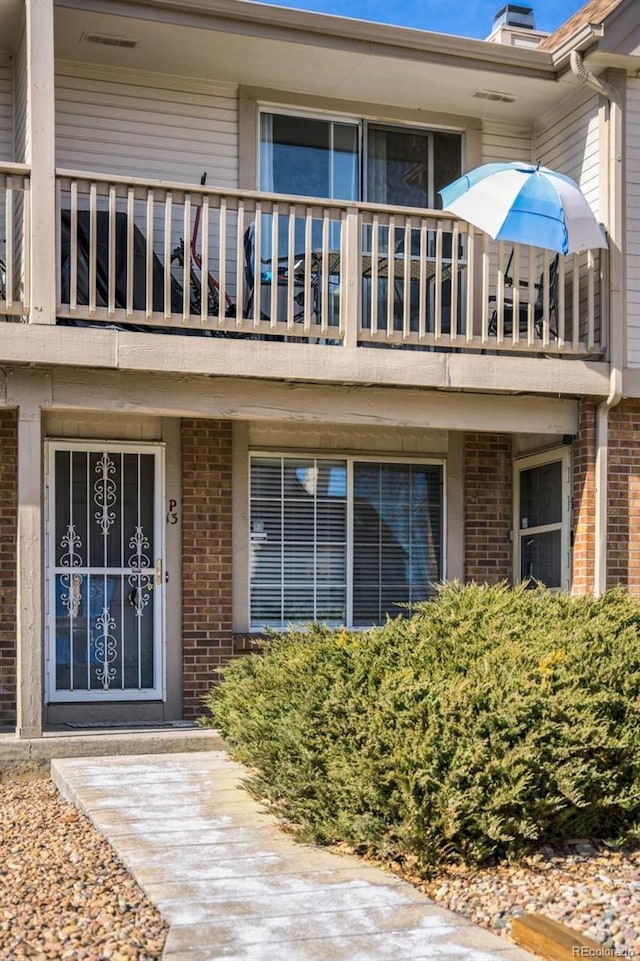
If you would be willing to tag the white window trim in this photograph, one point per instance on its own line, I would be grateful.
(562, 454)
(159, 690)
(350, 460)
(363, 123)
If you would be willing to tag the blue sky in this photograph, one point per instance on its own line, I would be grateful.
(467, 18)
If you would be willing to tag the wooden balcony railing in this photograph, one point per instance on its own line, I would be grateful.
(14, 241)
(320, 271)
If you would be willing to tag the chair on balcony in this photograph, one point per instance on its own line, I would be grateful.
(260, 287)
(523, 306)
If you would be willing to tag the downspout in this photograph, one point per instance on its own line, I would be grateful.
(613, 198)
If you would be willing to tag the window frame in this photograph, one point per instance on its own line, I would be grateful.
(363, 123)
(349, 459)
(526, 462)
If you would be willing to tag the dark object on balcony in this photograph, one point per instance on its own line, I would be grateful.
(280, 278)
(139, 280)
(523, 307)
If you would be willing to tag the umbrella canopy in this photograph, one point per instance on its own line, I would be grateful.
(526, 204)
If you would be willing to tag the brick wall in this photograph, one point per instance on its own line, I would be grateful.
(206, 556)
(623, 541)
(8, 482)
(488, 519)
(584, 500)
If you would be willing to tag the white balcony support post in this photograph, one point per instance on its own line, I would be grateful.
(350, 277)
(41, 157)
(29, 391)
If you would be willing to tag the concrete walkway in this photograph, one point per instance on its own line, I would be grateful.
(233, 886)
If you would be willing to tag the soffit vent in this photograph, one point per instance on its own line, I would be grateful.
(495, 95)
(108, 41)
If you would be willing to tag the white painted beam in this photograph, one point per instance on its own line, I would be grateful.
(41, 157)
(244, 399)
(312, 363)
(28, 391)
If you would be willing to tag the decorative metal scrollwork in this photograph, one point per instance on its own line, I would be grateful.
(71, 540)
(71, 596)
(105, 648)
(139, 581)
(105, 493)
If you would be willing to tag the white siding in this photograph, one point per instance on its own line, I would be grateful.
(633, 221)
(6, 135)
(505, 142)
(345, 438)
(20, 116)
(6, 109)
(139, 124)
(567, 139)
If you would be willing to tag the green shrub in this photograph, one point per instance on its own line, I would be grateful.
(490, 720)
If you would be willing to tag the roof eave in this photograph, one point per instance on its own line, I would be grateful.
(581, 39)
(378, 36)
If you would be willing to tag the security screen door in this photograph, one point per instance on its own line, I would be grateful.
(105, 578)
(543, 519)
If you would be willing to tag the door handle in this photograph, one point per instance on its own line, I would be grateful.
(158, 570)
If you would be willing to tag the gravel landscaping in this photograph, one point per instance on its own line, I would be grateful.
(588, 887)
(64, 896)
(63, 892)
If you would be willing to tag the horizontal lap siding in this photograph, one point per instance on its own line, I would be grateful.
(6, 135)
(6, 109)
(505, 142)
(146, 125)
(632, 134)
(22, 147)
(567, 139)
(151, 126)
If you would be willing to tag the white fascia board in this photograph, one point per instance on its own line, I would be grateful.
(304, 26)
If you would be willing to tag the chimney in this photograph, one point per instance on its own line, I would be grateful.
(513, 15)
(515, 26)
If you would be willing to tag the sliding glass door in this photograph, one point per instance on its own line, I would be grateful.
(321, 157)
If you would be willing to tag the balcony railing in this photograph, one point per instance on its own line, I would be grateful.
(150, 255)
(14, 241)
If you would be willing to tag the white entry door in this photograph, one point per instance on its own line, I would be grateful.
(105, 571)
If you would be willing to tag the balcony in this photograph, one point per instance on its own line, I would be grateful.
(14, 241)
(153, 256)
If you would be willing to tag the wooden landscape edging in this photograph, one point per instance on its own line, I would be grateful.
(552, 940)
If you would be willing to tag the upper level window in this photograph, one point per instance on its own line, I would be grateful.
(310, 157)
(342, 160)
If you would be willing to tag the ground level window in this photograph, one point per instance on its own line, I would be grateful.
(543, 519)
(343, 541)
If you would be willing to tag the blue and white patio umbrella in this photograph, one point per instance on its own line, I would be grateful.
(526, 204)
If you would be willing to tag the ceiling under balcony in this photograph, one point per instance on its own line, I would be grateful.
(288, 50)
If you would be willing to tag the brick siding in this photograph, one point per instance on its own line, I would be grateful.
(206, 556)
(8, 520)
(624, 496)
(584, 500)
(487, 507)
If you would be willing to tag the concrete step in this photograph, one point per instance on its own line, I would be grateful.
(20, 757)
